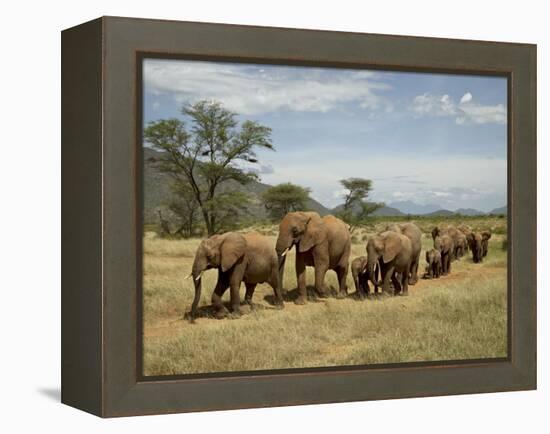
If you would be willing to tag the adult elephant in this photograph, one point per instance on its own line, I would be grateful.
(475, 241)
(248, 258)
(458, 237)
(413, 232)
(393, 252)
(466, 230)
(323, 243)
(444, 243)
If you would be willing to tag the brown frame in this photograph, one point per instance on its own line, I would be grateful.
(101, 191)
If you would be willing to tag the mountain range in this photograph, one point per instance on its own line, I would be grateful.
(157, 193)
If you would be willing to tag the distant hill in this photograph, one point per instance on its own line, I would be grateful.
(157, 192)
(440, 213)
(385, 211)
(469, 212)
(503, 210)
(409, 207)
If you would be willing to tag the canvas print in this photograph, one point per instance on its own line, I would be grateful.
(312, 217)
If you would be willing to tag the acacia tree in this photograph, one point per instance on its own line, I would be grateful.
(356, 208)
(283, 198)
(185, 207)
(204, 151)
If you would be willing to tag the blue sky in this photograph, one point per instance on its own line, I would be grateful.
(427, 138)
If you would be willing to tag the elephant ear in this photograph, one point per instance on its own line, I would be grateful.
(486, 235)
(315, 232)
(233, 247)
(392, 246)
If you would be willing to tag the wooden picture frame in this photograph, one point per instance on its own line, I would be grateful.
(101, 225)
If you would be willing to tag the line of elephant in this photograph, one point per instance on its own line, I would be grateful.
(391, 263)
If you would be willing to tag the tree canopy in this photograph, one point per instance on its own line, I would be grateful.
(204, 151)
(356, 207)
(283, 198)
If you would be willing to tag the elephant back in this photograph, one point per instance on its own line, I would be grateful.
(258, 244)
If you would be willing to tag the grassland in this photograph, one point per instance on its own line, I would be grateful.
(460, 316)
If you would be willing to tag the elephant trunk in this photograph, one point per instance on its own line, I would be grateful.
(370, 270)
(198, 269)
(284, 244)
(198, 288)
(281, 271)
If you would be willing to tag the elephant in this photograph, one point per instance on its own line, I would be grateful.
(465, 229)
(361, 277)
(461, 244)
(444, 243)
(485, 237)
(248, 258)
(414, 233)
(393, 252)
(475, 241)
(457, 236)
(324, 243)
(434, 267)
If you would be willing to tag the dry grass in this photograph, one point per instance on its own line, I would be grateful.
(460, 316)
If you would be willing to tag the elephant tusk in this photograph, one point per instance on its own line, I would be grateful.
(189, 276)
(285, 252)
(199, 276)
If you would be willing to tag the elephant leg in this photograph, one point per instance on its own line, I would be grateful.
(250, 287)
(221, 287)
(364, 284)
(234, 287)
(320, 271)
(404, 286)
(274, 283)
(377, 274)
(342, 273)
(358, 287)
(395, 281)
(386, 276)
(301, 279)
(414, 270)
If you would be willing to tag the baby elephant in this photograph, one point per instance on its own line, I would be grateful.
(361, 277)
(433, 269)
(250, 258)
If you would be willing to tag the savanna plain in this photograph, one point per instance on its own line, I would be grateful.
(459, 316)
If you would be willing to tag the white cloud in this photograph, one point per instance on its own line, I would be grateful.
(252, 90)
(156, 105)
(467, 97)
(467, 111)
